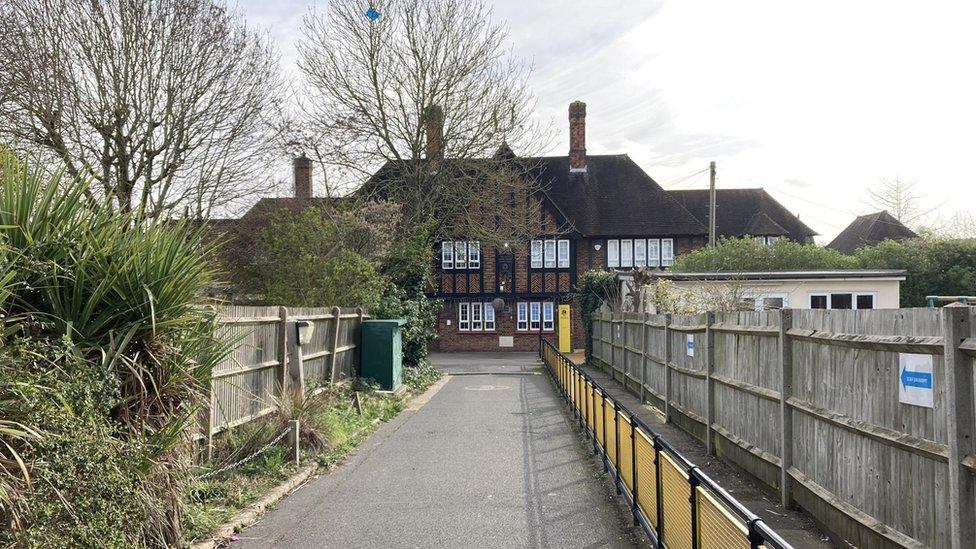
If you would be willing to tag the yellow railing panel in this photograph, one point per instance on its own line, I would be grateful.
(646, 477)
(626, 452)
(598, 420)
(589, 404)
(717, 527)
(610, 412)
(677, 507)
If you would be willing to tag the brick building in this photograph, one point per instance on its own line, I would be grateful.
(595, 212)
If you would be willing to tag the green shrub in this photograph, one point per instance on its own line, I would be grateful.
(302, 261)
(421, 316)
(936, 266)
(595, 288)
(748, 254)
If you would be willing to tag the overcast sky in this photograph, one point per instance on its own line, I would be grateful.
(812, 100)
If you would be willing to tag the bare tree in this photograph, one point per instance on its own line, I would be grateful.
(429, 91)
(164, 103)
(899, 199)
(961, 224)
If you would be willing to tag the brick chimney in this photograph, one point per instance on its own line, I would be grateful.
(303, 176)
(434, 128)
(577, 136)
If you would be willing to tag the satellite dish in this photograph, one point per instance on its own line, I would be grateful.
(498, 304)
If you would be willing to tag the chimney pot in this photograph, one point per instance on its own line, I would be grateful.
(577, 136)
(303, 176)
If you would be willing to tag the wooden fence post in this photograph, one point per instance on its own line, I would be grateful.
(626, 352)
(336, 322)
(296, 370)
(709, 384)
(643, 355)
(613, 346)
(208, 426)
(358, 340)
(282, 351)
(960, 418)
(667, 368)
(785, 410)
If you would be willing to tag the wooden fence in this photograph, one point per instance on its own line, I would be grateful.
(808, 402)
(267, 360)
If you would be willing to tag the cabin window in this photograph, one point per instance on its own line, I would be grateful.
(842, 300)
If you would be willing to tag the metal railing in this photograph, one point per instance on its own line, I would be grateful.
(671, 499)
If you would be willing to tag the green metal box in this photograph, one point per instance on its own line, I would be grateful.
(382, 352)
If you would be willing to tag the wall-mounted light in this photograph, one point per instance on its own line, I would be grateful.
(506, 244)
(597, 247)
(305, 331)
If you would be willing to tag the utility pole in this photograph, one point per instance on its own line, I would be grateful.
(711, 205)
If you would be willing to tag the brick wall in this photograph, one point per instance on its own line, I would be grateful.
(451, 340)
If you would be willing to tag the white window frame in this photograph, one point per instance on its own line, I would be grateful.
(522, 324)
(854, 296)
(667, 252)
(476, 323)
(653, 252)
(464, 316)
(447, 255)
(812, 295)
(474, 254)
(460, 255)
(536, 255)
(562, 254)
(550, 254)
(535, 315)
(640, 252)
(627, 253)
(613, 254)
(548, 316)
(489, 317)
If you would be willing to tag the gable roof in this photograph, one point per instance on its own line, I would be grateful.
(614, 197)
(742, 212)
(870, 229)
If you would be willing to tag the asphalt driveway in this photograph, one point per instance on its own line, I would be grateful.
(492, 460)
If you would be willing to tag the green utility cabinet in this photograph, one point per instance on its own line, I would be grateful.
(382, 352)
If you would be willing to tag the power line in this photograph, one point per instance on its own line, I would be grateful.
(686, 178)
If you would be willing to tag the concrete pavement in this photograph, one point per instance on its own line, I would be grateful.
(492, 460)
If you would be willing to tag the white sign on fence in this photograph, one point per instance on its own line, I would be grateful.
(915, 384)
(690, 344)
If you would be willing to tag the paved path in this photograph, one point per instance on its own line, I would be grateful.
(492, 460)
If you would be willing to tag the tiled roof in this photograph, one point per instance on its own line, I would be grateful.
(742, 212)
(870, 229)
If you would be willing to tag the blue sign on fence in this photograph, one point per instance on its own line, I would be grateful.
(916, 385)
(689, 345)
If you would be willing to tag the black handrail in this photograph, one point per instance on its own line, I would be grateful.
(759, 533)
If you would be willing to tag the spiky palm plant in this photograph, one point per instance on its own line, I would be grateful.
(125, 292)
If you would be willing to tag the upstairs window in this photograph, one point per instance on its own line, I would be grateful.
(667, 252)
(563, 254)
(447, 255)
(461, 255)
(613, 254)
(626, 253)
(549, 254)
(766, 240)
(640, 252)
(536, 254)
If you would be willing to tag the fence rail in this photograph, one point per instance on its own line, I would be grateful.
(675, 502)
(267, 362)
(810, 402)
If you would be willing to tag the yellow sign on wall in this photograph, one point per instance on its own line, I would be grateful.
(564, 330)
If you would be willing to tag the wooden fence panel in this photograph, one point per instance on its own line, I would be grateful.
(875, 470)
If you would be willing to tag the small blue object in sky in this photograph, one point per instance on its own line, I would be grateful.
(372, 14)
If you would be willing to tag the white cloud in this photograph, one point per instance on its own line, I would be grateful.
(833, 94)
